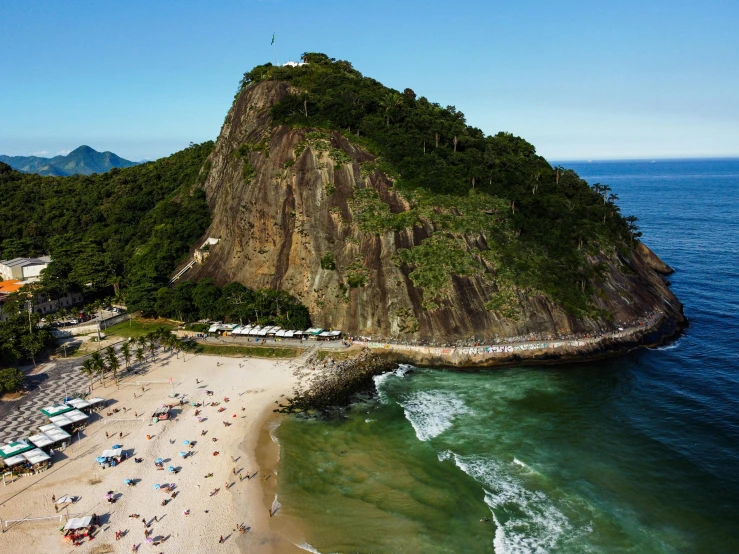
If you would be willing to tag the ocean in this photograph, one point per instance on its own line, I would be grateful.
(634, 454)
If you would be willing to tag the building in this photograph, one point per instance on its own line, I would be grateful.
(19, 272)
(23, 269)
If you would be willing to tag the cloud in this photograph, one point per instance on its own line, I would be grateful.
(41, 153)
(63, 152)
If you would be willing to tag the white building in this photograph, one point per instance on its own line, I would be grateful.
(23, 269)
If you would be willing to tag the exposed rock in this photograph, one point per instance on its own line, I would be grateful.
(282, 203)
(652, 260)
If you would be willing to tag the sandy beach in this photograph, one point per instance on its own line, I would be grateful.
(216, 505)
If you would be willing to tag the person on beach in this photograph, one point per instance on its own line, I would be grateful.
(106, 435)
(234, 470)
(220, 541)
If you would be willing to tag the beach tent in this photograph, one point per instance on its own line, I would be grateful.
(214, 328)
(61, 421)
(272, 331)
(335, 334)
(314, 331)
(55, 410)
(54, 432)
(78, 403)
(289, 334)
(14, 460)
(95, 401)
(76, 416)
(41, 440)
(78, 523)
(36, 456)
(280, 333)
(255, 331)
(14, 448)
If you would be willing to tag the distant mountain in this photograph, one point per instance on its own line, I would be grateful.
(83, 160)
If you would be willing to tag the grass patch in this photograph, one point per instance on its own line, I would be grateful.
(138, 327)
(255, 351)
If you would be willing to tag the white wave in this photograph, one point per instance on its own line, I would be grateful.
(272, 427)
(308, 548)
(527, 520)
(368, 420)
(671, 346)
(379, 380)
(432, 412)
(519, 462)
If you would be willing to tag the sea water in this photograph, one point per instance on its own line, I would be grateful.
(634, 454)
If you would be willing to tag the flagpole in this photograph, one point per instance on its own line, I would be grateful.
(274, 47)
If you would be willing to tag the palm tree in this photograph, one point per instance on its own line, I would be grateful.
(141, 342)
(389, 102)
(88, 368)
(140, 355)
(152, 343)
(113, 363)
(126, 351)
(98, 365)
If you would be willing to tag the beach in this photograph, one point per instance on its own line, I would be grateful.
(204, 510)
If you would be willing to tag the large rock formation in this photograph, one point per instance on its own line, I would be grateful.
(281, 200)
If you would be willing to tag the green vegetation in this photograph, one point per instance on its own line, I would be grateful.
(11, 380)
(138, 327)
(328, 261)
(337, 355)
(126, 229)
(533, 225)
(254, 351)
(189, 301)
(20, 339)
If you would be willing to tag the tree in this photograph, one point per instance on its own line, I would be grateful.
(112, 362)
(126, 351)
(140, 355)
(11, 380)
(88, 368)
(33, 344)
(205, 296)
(99, 365)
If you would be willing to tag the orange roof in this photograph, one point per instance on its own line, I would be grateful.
(11, 285)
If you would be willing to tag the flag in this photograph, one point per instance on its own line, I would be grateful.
(273, 39)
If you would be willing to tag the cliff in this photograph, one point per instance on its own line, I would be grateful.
(305, 210)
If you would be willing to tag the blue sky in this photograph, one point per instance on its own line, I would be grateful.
(580, 80)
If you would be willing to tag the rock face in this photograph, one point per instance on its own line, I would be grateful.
(282, 209)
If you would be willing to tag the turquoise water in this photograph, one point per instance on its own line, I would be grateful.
(635, 454)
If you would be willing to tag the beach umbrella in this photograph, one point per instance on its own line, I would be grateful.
(183, 454)
(170, 468)
(157, 486)
(158, 461)
(126, 481)
(149, 540)
(186, 443)
(108, 496)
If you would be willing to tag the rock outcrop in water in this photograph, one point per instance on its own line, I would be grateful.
(284, 206)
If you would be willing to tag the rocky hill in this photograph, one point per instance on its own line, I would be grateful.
(463, 237)
(80, 161)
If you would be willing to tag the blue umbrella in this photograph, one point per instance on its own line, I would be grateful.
(157, 486)
(170, 468)
(158, 461)
(126, 481)
(183, 454)
(186, 443)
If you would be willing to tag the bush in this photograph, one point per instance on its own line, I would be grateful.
(11, 380)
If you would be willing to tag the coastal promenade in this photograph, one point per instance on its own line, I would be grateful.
(489, 355)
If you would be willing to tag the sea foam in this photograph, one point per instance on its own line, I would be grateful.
(432, 412)
(380, 380)
(527, 520)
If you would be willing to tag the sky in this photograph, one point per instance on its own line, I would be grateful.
(578, 79)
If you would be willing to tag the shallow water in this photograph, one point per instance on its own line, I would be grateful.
(636, 454)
